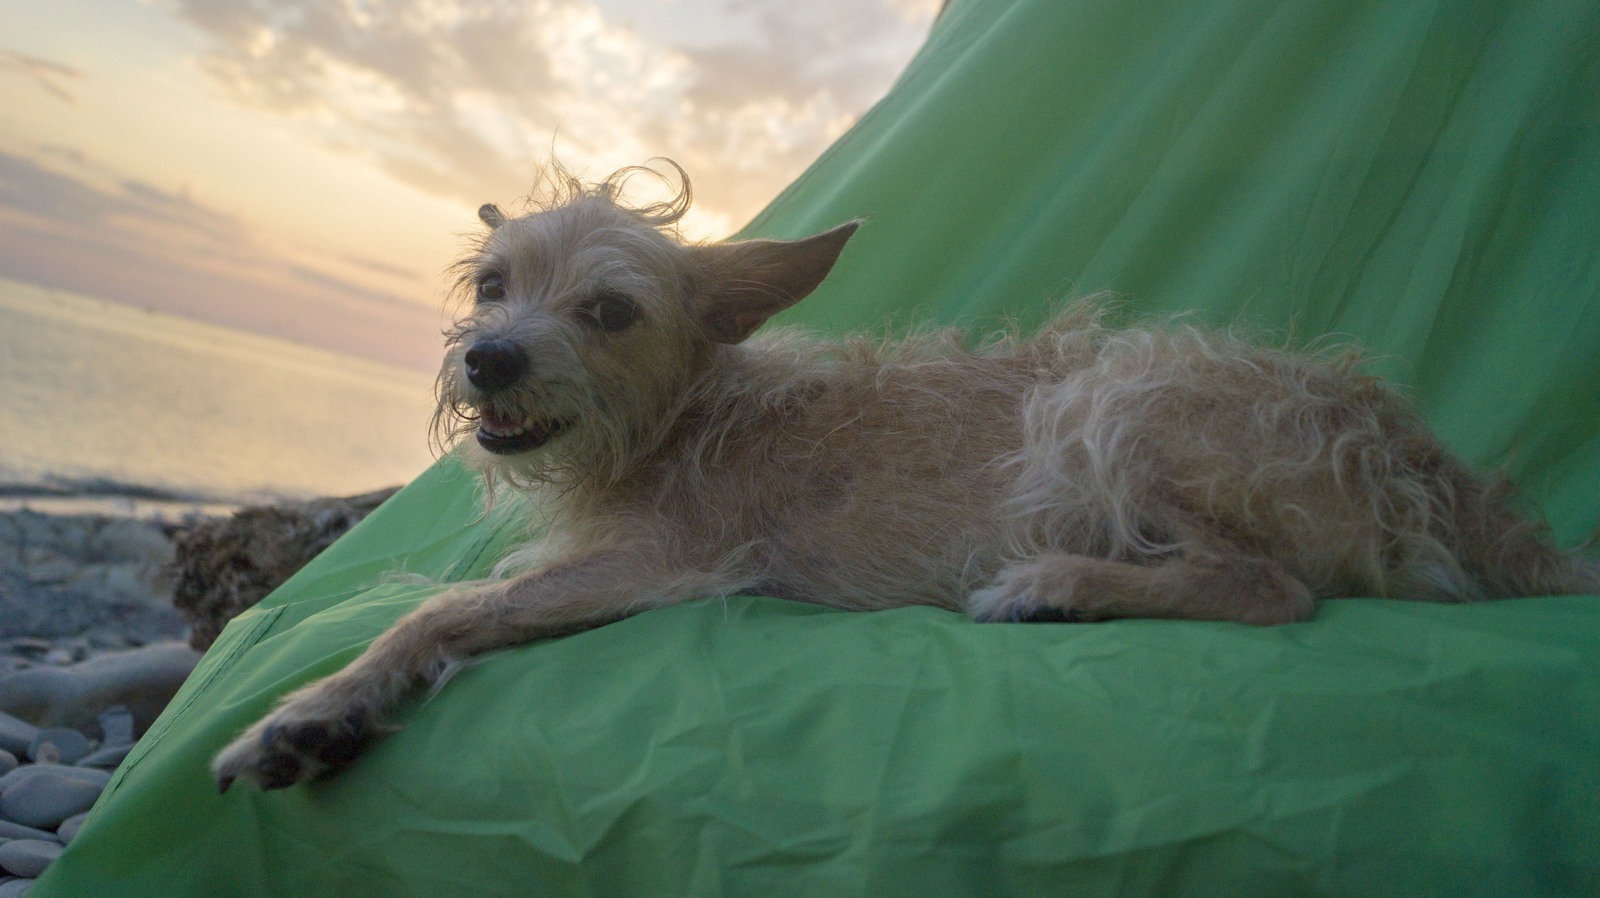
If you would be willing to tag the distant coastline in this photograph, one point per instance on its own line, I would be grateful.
(103, 496)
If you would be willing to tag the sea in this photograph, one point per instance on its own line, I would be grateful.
(109, 408)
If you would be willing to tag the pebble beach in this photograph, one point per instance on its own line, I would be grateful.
(91, 650)
(104, 611)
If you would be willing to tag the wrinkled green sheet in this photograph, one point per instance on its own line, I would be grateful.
(1421, 177)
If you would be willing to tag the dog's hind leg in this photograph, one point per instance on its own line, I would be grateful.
(1228, 586)
(326, 725)
(1506, 556)
(1472, 543)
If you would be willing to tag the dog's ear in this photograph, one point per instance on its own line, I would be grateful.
(490, 214)
(748, 282)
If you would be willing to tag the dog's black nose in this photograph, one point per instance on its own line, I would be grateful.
(495, 364)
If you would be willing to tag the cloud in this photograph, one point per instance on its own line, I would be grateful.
(52, 77)
(463, 99)
(85, 231)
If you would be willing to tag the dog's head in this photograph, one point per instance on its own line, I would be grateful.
(589, 320)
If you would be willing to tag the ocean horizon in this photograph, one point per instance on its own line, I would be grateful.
(109, 407)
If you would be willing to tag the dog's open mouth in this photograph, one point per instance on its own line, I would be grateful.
(508, 434)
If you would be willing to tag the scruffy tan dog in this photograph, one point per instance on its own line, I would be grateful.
(1080, 474)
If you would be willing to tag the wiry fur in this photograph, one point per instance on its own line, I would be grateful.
(1082, 473)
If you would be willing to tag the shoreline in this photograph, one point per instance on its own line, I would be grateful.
(96, 566)
(57, 495)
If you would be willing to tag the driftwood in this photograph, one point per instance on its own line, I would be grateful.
(227, 565)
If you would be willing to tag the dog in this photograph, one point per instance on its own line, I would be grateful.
(1083, 473)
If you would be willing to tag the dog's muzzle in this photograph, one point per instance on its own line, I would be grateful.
(493, 367)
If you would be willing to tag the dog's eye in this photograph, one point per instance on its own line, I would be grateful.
(491, 287)
(610, 311)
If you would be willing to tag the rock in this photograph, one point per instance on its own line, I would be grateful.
(27, 771)
(48, 794)
(71, 575)
(28, 646)
(70, 826)
(59, 745)
(8, 762)
(143, 680)
(51, 573)
(28, 857)
(15, 735)
(16, 888)
(9, 830)
(227, 566)
(107, 758)
(116, 726)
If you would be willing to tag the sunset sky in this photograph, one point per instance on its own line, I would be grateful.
(307, 169)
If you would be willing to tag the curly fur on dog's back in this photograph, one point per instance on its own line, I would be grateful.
(1175, 438)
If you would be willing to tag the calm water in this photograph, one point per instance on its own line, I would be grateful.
(96, 397)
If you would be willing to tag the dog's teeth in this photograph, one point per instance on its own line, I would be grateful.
(504, 427)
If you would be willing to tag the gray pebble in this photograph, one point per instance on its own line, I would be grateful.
(31, 646)
(70, 826)
(28, 857)
(116, 726)
(9, 830)
(86, 774)
(143, 680)
(16, 888)
(48, 795)
(8, 762)
(16, 735)
(108, 758)
(59, 745)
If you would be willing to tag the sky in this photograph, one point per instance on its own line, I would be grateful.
(308, 168)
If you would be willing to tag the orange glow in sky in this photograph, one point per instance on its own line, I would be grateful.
(307, 169)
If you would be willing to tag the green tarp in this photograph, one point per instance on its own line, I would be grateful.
(1423, 177)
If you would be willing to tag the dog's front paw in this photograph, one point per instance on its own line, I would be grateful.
(293, 744)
